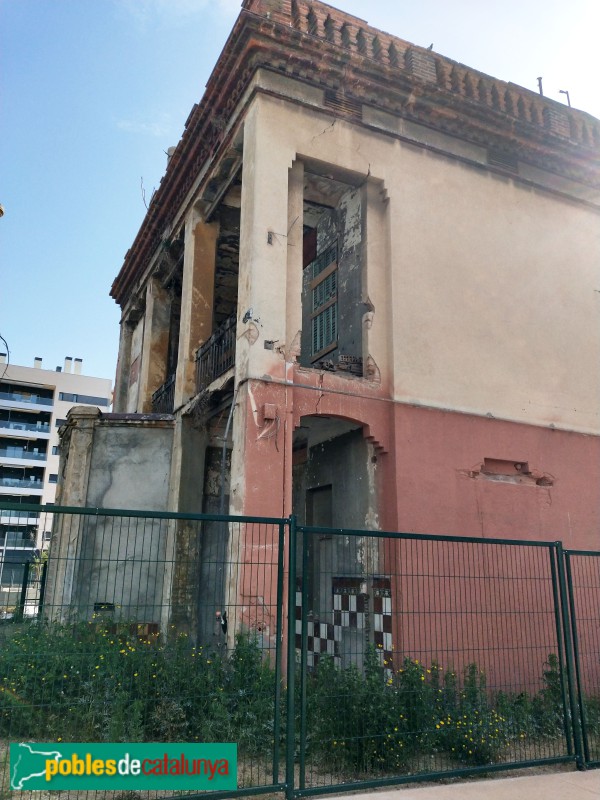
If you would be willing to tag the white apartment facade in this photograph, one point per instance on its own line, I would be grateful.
(33, 405)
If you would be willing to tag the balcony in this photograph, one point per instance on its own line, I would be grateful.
(19, 453)
(21, 483)
(216, 355)
(18, 397)
(163, 399)
(38, 429)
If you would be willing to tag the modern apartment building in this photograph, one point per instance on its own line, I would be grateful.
(33, 405)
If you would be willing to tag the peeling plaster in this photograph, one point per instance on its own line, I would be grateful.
(533, 477)
(293, 353)
(350, 204)
(368, 319)
(372, 371)
(251, 333)
(372, 517)
(253, 405)
(270, 431)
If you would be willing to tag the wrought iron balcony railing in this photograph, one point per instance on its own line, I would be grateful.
(163, 399)
(216, 355)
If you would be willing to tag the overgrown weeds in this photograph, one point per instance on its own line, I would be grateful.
(391, 717)
(102, 682)
(98, 682)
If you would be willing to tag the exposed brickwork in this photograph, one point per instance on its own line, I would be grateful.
(557, 122)
(421, 65)
(352, 33)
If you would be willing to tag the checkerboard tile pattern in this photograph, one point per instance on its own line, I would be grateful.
(322, 637)
(350, 603)
(382, 621)
(353, 608)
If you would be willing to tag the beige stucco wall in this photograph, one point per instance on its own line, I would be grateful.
(491, 285)
(495, 295)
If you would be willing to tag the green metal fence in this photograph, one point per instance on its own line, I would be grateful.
(447, 655)
(333, 658)
(583, 577)
(151, 628)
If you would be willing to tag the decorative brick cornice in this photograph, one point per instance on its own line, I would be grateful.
(356, 64)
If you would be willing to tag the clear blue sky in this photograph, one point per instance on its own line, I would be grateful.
(94, 91)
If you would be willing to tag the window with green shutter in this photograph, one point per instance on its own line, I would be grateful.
(324, 303)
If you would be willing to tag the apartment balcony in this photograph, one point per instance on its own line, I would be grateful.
(25, 401)
(19, 485)
(216, 355)
(25, 430)
(163, 399)
(16, 456)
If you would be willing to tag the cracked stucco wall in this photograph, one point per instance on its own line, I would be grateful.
(121, 560)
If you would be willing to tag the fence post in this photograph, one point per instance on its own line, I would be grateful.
(290, 743)
(42, 589)
(20, 613)
(561, 655)
(278, 646)
(579, 689)
(303, 661)
(564, 603)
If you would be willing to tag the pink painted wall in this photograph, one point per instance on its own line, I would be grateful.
(454, 474)
(440, 489)
(432, 465)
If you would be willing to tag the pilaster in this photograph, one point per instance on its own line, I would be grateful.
(123, 368)
(75, 459)
(197, 301)
(156, 343)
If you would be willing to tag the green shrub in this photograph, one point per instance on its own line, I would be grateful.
(591, 710)
(379, 720)
(353, 718)
(104, 682)
(477, 737)
(99, 682)
(517, 708)
(547, 705)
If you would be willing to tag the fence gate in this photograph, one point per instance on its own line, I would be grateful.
(426, 656)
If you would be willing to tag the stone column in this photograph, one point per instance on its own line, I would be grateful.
(123, 368)
(75, 460)
(197, 299)
(264, 337)
(155, 347)
(183, 548)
